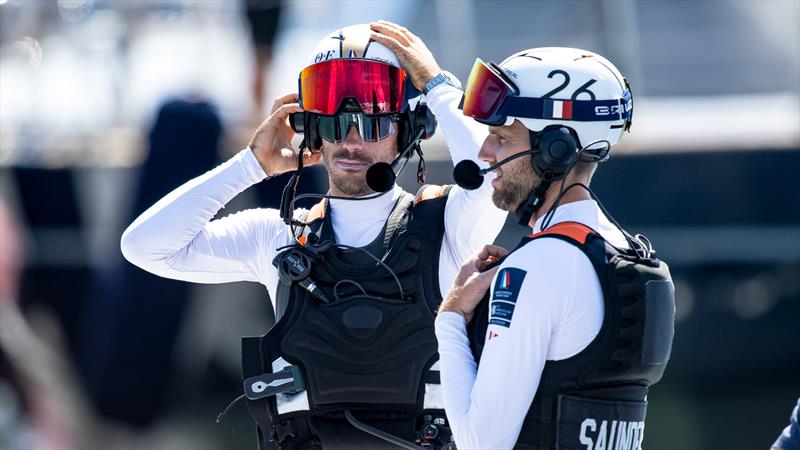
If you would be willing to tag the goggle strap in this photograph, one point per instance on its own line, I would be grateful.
(577, 110)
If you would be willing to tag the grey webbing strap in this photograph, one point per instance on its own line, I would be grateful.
(396, 218)
(301, 217)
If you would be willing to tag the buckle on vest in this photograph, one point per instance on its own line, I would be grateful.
(287, 381)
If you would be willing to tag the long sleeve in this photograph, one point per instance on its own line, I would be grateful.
(471, 218)
(175, 238)
(548, 319)
(464, 135)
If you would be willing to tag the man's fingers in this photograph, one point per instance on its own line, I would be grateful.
(489, 254)
(397, 28)
(282, 112)
(386, 30)
(280, 101)
(310, 158)
(491, 251)
(388, 41)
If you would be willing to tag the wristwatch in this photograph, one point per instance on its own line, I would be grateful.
(443, 77)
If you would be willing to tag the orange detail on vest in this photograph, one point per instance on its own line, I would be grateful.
(573, 230)
(316, 212)
(431, 192)
(302, 240)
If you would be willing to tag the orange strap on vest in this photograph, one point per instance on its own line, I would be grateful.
(573, 230)
(316, 212)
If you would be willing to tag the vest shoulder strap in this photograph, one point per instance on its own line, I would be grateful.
(397, 219)
(574, 231)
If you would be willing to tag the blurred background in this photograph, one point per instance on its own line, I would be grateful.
(105, 106)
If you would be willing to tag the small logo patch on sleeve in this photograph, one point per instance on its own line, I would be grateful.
(504, 299)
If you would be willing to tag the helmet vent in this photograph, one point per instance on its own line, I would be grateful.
(531, 56)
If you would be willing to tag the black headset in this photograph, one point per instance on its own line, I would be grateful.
(555, 151)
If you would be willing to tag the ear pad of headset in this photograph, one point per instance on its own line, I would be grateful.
(557, 150)
(311, 131)
(424, 118)
(420, 117)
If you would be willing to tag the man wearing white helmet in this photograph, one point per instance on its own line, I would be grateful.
(355, 281)
(554, 344)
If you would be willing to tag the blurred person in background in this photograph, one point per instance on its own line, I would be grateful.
(183, 141)
(40, 403)
(351, 362)
(790, 436)
(263, 17)
(578, 323)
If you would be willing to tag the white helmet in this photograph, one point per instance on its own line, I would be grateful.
(352, 42)
(350, 70)
(552, 86)
(561, 73)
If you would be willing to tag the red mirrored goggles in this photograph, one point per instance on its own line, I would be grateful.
(490, 97)
(486, 90)
(377, 87)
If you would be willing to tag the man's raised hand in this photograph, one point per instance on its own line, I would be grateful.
(272, 142)
(413, 54)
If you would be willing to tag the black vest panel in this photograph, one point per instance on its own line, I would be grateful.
(598, 398)
(369, 349)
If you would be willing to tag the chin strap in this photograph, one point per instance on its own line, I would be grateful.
(533, 202)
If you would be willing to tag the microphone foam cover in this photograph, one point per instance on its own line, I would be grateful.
(467, 174)
(380, 177)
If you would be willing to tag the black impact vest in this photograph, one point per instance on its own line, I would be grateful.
(598, 398)
(348, 340)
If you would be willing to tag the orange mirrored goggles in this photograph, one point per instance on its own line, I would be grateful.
(486, 90)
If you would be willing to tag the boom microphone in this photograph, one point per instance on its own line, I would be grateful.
(381, 176)
(468, 175)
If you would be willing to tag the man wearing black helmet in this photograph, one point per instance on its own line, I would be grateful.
(351, 361)
(554, 344)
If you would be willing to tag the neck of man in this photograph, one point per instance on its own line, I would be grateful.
(573, 195)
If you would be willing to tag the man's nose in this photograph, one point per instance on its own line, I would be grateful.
(353, 140)
(488, 151)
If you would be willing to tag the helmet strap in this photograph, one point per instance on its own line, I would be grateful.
(534, 201)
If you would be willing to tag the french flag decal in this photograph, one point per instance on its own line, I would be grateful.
(505, 282)
(557, 109)
(504, 297)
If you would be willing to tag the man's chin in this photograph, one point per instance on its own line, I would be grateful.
(351, 184)
(506, 201)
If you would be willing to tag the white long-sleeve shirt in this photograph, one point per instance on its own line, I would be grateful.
(558, 311)
(176, 238)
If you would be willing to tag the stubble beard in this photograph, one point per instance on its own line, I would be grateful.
(516, 183)
(351, 184)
